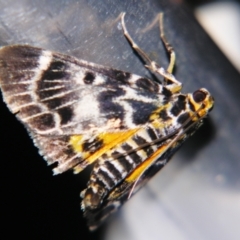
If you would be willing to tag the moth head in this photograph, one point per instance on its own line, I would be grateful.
(201, 102)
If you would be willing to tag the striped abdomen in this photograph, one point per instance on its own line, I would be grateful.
(113, 167)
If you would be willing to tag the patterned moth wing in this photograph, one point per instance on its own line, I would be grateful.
(79, 113)
(69, 106)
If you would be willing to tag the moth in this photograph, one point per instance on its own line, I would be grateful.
(79, 113)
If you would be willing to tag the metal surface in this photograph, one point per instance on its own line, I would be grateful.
(196, 196)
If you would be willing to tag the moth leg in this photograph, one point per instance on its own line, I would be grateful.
(172, 61)
(170, 81)
(142, 54)
(167, 45)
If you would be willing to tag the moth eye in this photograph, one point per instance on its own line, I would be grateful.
(199, 96)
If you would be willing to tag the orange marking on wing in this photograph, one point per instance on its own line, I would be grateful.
(110, 141)
(145, 165)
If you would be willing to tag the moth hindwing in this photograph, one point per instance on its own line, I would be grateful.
(80, 113)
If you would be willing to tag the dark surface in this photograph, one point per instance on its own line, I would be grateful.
(198, 191)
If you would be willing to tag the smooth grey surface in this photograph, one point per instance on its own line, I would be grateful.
(196, 196)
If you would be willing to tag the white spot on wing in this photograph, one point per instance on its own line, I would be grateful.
(133, 78)
(45, 60)
(78, 78)
(43, 63)
(99, 80)
(87, 107)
